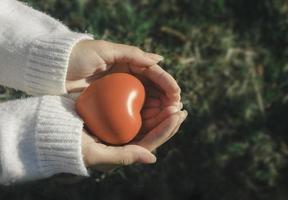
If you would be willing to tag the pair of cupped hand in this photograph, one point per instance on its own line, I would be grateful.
(161, 113)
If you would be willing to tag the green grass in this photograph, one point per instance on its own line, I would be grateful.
(230, 59)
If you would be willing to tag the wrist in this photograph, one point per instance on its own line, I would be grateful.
(74, 81)
(59, 141)
(48, 62)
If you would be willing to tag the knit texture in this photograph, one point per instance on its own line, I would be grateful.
(40, 137)
(34, 49)
(58, 137)
(48, 62)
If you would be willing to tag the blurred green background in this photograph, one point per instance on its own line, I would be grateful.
(230, 59)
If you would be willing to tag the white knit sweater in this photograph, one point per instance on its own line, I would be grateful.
(39, 136)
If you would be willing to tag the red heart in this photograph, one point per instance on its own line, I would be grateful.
(111, 106)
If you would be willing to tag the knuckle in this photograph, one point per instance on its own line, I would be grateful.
(126, 158)
(125, 162)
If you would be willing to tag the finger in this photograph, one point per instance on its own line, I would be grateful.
(155, 56)
(158, 135)
(152, 90)
(76, 86)
(164, 80)
(123, 155)
(152, 102)
(115, 53)
(179, 105)
(153, 122)
(158, 83)
(154, 93)
(183, 117)
(147, 113)
(156, 75)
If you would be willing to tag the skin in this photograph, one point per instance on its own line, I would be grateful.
(162, 115)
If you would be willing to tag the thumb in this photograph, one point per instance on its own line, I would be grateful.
(123, 155)
(114, 53)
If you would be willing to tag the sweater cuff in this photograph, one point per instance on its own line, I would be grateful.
(48, 61)
(58, 137)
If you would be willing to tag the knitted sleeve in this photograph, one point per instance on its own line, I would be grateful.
(34, 49)
(39, 137)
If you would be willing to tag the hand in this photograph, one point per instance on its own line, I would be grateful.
(105, 158)
(92, 59)
(161, 113)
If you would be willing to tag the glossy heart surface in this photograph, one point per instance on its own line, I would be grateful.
(110, 107)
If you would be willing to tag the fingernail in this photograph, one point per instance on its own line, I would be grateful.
(155, 57)
(174, 96)
(171, 109)
(174, 109)
(185, 114)
(177, 104)
(180, 106)
(151, 158)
